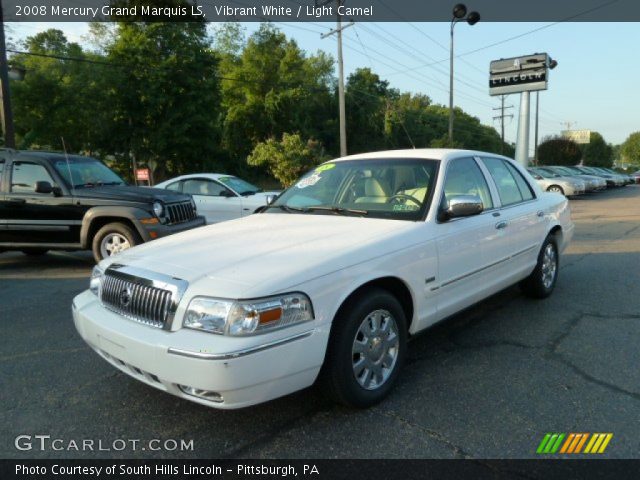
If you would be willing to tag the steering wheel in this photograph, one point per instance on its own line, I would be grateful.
(405, 197)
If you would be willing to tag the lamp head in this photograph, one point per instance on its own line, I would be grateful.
(473, 18)
(459, 11)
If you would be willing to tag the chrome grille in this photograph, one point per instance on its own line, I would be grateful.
(180, 213)
(140, 295)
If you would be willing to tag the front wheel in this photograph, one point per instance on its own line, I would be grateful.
(366, 350)
(543, 279)
(112, 239)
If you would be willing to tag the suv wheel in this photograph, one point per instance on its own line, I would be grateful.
(113, 238)
(366, 350)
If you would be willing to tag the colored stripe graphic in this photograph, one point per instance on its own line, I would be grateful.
(573, 443)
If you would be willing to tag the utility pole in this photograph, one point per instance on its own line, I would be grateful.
(568, 124)
(502, 116)
(341, 106)
(6, 113)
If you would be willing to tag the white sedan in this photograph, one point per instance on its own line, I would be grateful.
(329, 281)
(220, 197)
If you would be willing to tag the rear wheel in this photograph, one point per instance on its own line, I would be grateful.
(366, 350)
(112, 239)
(556, 189)
(543, 279)
(35, 252)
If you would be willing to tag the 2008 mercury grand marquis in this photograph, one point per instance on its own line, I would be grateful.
(328, 281)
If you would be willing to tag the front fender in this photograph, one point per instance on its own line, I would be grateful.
(133, 214)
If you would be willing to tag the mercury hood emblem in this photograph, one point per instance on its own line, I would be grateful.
(125, 297)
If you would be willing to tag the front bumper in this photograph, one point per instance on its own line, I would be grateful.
(253, 371)
(158, 230)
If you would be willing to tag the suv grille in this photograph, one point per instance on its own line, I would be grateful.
(180, 213)
(140, 295)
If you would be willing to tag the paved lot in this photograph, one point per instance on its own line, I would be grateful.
(487, 383)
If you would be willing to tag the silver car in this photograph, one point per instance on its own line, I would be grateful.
(593, 182)
(552, 182)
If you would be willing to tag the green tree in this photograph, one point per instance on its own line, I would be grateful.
(630, 150)
(597, 152)
(559, 151)
(289, 158)
(164, 96)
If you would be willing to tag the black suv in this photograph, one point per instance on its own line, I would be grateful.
(71, 202)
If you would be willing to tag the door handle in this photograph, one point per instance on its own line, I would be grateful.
(540, 213)
(501, 225)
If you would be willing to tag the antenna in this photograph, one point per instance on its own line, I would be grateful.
(66, 157)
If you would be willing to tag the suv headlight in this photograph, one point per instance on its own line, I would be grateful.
(96, 280)
(158, 209)
(247, 317)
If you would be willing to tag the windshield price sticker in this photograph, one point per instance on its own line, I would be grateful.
(309, 181)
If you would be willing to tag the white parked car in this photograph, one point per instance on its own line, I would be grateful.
(328, 282)
(220, 197)
(552, 182)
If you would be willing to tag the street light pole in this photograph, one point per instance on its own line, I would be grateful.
(459, 13)
(6, 115)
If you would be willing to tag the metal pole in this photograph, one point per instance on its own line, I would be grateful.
(535, 149)
(522, 144)
(502, 125)
(343, 115)
(451, 86)
(7, 114)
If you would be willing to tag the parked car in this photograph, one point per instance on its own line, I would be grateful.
(636, 176)
(612, 180)
(552, 182)
(220, 197)
(51, 201)
(593, 182)
(329, 281)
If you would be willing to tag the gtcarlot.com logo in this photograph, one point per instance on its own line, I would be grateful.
(48, 443)
(574, 443)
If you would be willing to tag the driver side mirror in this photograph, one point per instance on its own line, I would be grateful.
(43, 187)
(270, 199)
(461, 206)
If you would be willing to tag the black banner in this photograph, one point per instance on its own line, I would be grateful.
(318, 469)
(318, 10)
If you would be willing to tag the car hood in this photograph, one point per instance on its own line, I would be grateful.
(266, 253)
(130, 193)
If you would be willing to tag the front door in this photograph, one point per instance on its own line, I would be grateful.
(213, 200)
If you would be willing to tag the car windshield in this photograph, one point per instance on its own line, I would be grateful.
(239, 186)
(546, 173)
(86, 172)
(396, 188)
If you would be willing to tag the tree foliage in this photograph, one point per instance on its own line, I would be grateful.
(171, 95)
(289, 158)
(597, 152)
(630, 149)
(559, 151)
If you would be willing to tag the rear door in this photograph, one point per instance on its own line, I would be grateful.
(213, 200)
(35, 218)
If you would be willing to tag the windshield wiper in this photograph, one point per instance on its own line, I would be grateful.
(288, 209)
(338, 210)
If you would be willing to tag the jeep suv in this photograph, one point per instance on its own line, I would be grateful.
(53, 201)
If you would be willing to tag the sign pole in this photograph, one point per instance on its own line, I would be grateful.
(522, 143)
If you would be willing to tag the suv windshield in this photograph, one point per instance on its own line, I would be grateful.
(239, 186)
(86, 172)
(381, 188)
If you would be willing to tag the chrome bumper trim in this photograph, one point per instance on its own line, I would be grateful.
(238, 353)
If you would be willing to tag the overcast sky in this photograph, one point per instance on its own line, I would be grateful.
(594, 86)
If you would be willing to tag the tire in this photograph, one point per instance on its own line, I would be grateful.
(354, 349)
(113, 238)
(542, 281)
(34, 252)
(556, 189)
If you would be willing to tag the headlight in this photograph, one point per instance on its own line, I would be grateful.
(96, 280)
(158, 209)
(247, 317)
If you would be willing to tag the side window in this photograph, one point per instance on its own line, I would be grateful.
(464, 177)
(504, 180)
(24, 176)
(523, 185)
(174, 187)
(202, 187)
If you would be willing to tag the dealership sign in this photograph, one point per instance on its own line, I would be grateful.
(578, 136)
(519, 74)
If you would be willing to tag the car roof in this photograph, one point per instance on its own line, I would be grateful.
(46, 155)
(212, 176)
(437, 154)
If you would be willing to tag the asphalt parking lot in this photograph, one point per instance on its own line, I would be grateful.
(488, 383)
